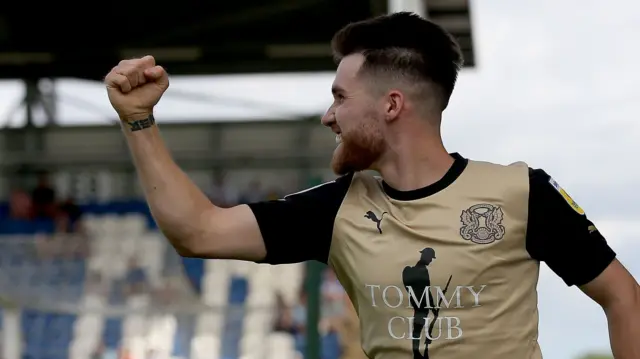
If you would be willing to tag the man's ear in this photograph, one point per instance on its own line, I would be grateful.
(394, 104)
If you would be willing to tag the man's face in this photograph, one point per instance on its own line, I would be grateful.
(356, 118)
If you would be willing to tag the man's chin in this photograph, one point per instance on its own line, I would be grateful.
(348, 159)
(342, 166)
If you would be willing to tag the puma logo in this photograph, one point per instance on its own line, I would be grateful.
(372, 216)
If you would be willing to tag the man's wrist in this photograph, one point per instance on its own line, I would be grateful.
(139, 122)
(135, 116)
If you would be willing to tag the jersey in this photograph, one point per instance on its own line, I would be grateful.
(447, 271)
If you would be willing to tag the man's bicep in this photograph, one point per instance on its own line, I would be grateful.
(231, 233)
(300, 227)
(560, 234)
(615, 285)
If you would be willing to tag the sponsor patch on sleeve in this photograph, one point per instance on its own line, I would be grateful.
(566, 196)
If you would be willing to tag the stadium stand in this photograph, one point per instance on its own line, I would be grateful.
(116, 289)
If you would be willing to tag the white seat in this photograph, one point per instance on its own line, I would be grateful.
(133, 223)
(154, 250)
(252, 345)
(93, 301)
(81, 349)
(161, 334)
(215, 290)
(110, 224)
(260, 296)
(91, 224)
(241, 268)
(280, 346)
(87, 329)
(210, 323)
(217, 267)
(205, 347)
(135, 345)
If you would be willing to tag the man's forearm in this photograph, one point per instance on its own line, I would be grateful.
(624, 329)
(177, 204)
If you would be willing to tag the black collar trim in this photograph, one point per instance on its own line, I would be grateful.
(459, 164)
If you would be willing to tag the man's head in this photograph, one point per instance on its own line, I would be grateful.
(390, 68)
(427, 255)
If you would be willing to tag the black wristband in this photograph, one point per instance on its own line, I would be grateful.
(142, 124)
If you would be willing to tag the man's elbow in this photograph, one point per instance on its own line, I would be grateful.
(231, 233)
(187, 252)
(190, 238)
(185, 246)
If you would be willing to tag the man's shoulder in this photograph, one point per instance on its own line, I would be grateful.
(490, 172)
(333, 189)
(492, 166)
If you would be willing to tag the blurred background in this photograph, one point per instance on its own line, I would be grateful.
(84, 273)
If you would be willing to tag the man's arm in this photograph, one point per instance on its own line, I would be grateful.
(294, 229)
(560, 234)
(619, 295)
(193, 225)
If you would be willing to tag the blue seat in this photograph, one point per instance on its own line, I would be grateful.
(47, 336)
(194, 270)
(232, 332)
(185, 330)
(112, 333)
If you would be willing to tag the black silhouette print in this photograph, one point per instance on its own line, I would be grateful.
(418, 279)
(372, 216)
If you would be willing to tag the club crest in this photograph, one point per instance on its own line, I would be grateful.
(482, 223)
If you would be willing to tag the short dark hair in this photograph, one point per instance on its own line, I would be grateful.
(404, 43)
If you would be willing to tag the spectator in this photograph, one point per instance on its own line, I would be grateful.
(123, 353)
(350, 333)
(99, 352)
(69, 215)
(136, 280)
(332, 296)
(299, 322)
(95, 283)
(152, 354)
(284, 319)
(43, 198)
(20, 205)
(299, 314)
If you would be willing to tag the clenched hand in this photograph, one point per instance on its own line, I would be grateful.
(135, 87)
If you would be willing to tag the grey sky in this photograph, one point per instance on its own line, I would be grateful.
(556, 86)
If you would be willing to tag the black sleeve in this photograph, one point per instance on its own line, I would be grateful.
(560, 234)
(299, 227)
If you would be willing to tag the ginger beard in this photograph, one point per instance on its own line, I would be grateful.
(359, 149)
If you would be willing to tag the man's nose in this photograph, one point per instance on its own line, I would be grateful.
(328, 119)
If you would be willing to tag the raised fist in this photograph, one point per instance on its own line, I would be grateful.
(135, 87)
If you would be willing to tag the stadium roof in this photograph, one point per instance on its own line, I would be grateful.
(192, 37)
(218, 49)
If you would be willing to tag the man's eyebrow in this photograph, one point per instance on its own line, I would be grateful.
(336, 89)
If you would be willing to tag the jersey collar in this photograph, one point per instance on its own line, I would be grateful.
(459, 164)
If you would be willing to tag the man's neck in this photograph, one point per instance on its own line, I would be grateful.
(407, 167)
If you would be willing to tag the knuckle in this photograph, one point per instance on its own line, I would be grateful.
(121, 80)
(149, 59)
(111, 78)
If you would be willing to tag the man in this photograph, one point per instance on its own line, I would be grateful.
(489, 225)
(416, 279)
